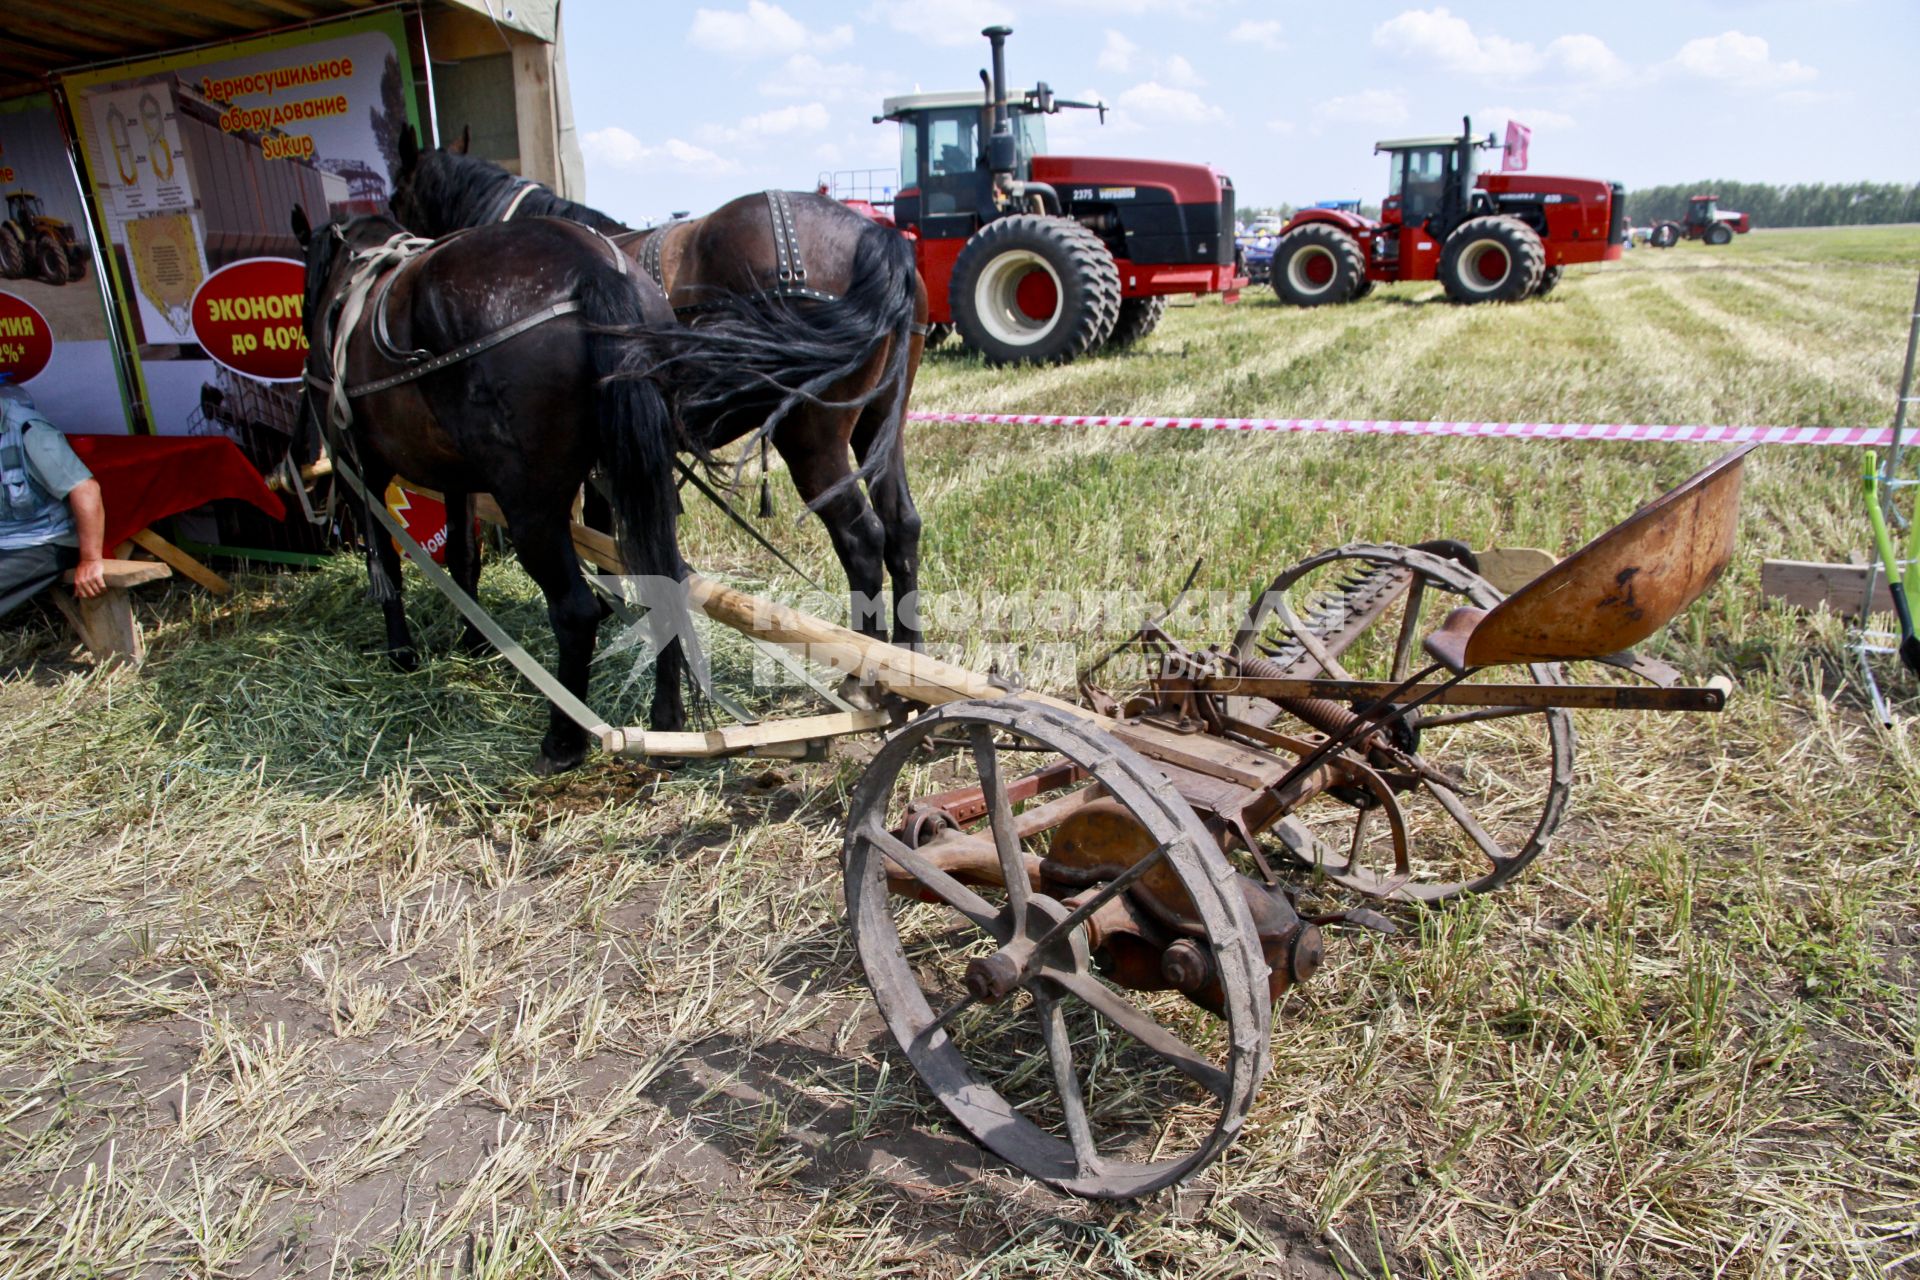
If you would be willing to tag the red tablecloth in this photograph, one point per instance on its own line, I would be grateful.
(147, 478)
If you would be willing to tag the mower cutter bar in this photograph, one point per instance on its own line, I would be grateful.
(1711, 696)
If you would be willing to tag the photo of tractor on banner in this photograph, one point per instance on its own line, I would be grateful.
(1270, 798)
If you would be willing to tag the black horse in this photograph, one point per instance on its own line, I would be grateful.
(524, 419)
(828, 370)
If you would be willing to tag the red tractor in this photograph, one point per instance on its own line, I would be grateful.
(1042, 258)
(1495, 237)
(1705, 220)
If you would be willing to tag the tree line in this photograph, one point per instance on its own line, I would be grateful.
(1813, 204)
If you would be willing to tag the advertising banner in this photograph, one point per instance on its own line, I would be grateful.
(53, 322)
(198, 161)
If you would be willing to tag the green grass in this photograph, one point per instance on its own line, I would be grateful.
(301, 972)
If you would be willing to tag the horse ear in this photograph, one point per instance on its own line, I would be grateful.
(465, 140)
(409, 149)
(302, 229)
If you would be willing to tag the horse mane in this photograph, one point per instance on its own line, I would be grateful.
(472, 191)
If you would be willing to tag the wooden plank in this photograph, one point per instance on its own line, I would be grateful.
(769, 737)
(1809, 585)
(105, 625)
(1511, 568)
(121, 574)
(183, 562)
(535, 116)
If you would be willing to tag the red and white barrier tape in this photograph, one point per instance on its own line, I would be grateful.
(1864, 436)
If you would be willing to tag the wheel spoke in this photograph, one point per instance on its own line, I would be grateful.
(947, 1015)
(1140, 1025)
(1006, 839)
(1093, 904)
(1458, 811)
(1409, 629)
(1308, 641)
(945, 887)
(1073, 1107)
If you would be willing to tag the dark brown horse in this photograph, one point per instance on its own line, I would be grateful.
(828, 380)
(524, 419)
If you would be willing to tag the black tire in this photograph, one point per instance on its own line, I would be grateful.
(1549, 281)
(1362, 289)
(995, 269)
(1496, 259)
(937, 334)
(1317, 264)
(1664, 235)
(1138, 318)
(50, 262)
(76, 264)
(1719, 233)
(13, 256)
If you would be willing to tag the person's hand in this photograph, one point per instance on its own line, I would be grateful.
(89, 579)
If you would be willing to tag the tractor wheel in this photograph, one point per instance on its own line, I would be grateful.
(1664, 235)
(1494, 259)
(13, 255)
(1549, 281)
(937, 334)
(1362, 289)
(1719, 233)
(76, 263)
(1317, 264)
(1034, 289)
(50, 262)
(1138, 318)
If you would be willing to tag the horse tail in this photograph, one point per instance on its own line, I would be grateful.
(756, 359)
(637, 435)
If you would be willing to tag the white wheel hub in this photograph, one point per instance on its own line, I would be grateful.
(1312, 269)
(1485, 265)
(996, 298)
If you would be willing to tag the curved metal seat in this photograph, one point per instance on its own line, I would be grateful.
(1617, 590)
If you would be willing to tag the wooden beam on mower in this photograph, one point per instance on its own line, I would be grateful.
(1840, 587)
(1594, 697)
(778, 739)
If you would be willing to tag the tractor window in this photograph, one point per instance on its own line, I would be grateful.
(909, 153)
(953, 141)
(1421, 183)
(1030, 131)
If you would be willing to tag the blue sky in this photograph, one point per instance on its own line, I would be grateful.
(695, 103)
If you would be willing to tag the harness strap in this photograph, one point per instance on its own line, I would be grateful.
(527, 186)
(466, 350)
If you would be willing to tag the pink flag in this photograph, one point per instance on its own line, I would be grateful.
(1514, 158)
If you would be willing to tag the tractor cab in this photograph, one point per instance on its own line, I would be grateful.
(1703, 211)
(943, 151)
(24, 207)
(1430, 180)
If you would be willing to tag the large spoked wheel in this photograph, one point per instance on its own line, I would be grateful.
(1481, 790)
(993, 991)
(1035, 289)
(1492, 259)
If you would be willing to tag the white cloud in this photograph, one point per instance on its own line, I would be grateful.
(801, 118)
(761, 30)
(1117, 54)
(1441, 38)
(1532, 117)
(1280, 126)
(944, 22)
(1369, 106)
(805, 76)
(1156, 103)
(1179, 71)
(1737, 59)
(1265, 34)
(618, 149)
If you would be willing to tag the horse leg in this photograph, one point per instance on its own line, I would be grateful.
(463, 564)
(383, 575)
(545, 547)
(899, 518)
(858, 538)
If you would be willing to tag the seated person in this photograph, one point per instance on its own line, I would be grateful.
(51, 516)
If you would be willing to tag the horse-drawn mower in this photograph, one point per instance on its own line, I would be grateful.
(1076, 918)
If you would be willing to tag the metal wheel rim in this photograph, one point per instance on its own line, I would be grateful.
(1297, 269)
(996, 298)
(1455, 577)
(943, 1068)
(1471, 277)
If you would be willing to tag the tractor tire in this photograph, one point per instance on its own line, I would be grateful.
(937, 334)
(13, 255)
(1138, 318)
(1362, 289)
(1719, 233)
(1030, 289)
(1317, 264)
(1664, 235)
(50, 262)
(1549, 281)
(1493, 259)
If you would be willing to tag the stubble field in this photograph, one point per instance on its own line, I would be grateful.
(302, 974)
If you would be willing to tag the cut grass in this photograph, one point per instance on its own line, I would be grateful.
(303, 974)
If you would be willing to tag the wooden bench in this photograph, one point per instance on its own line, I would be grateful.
(105, 623)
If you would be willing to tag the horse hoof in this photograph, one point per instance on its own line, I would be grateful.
(546, 765)
(404, 659)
